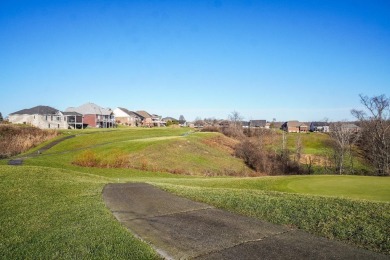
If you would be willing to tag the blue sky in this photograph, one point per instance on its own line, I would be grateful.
(303, 60)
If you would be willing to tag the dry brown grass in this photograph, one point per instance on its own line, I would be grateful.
(16, 139)
(222, 142)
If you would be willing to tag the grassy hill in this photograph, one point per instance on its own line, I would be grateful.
(52, 203)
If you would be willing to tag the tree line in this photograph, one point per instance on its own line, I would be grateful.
(257, 146)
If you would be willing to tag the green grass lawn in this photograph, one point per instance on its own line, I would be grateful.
(50, 213)
(51, 205)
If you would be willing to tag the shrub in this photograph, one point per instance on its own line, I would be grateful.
(16, 139)
(266, 161)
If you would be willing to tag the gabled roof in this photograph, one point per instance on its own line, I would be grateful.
(128, 112)
(144, 114)
(40, 110)
(350, 126)
(90, 109)
(294, 123)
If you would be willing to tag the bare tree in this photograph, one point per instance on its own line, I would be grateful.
(298, 148)
(375, 122)
(235, 127)
(198, 122)
(344, 138)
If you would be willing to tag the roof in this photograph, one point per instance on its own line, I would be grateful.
(71, 114)
(130, 113)
(319, 123)
(244, 123)
(350, 126)
(40, 110)
(170, 119)
(257, 123)
(293, 123)
(90, 109)
(144, 114)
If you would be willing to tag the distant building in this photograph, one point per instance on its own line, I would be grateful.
(322, 127)
(94, 115)
(46, 117)
(350, 127)
(257, 123)
(127, 117)
(295, 127)
(150, 120)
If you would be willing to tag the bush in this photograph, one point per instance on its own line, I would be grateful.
(16, 139)
(265, 161)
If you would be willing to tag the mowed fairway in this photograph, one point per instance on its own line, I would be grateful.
(53, 207)
(355, 187)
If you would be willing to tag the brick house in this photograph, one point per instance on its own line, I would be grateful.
(94, 115)
(295, 127)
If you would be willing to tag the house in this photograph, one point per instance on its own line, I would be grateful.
(146, 118)
(319, 127)
(350, 127)
(257, 123)
(46, 117)
(294, 127)
(127, 117)
(157, 120)
(225, 124)
(245, 124)
(150, 120)
(94, 115)
(171, 119)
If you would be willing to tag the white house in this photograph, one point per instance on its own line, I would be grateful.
(46, 117)
(127, 117)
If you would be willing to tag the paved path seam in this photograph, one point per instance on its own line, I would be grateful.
(178, 228)
(244, 242)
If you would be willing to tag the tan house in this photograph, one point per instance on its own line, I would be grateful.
(146, 118)
(295, 127)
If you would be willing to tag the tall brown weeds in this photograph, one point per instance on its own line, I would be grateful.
(16, 139)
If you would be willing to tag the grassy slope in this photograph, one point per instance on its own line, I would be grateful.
(52, 213)
(312, 143)
(164, 150)
(363, 223)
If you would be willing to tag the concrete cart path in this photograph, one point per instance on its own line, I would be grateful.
(179, 228)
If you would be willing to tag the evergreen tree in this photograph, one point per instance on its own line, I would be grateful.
(1, 117)
(182, 120)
